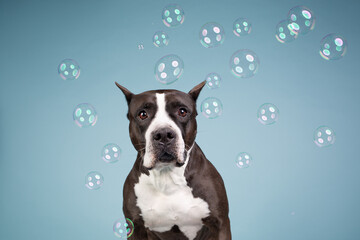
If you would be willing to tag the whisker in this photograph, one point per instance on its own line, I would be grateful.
(140, 144)
(141, 149)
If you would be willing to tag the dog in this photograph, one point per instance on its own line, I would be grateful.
(172, 192)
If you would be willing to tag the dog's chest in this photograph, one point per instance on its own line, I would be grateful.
(165, 200)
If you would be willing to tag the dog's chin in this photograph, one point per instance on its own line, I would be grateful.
(165, 165)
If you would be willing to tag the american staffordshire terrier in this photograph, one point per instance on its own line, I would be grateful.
(172, 192)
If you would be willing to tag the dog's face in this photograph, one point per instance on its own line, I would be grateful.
(162, 124)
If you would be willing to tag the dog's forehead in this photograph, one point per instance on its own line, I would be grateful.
(171, 96)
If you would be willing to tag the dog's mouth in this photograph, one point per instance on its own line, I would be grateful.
(161, 155)
(166, 157)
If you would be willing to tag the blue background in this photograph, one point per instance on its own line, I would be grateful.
(293, 190)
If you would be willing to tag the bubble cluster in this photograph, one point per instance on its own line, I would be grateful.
(243, 160)
(241, 27)
(161, 39)
(333, 47)
(69, 69)
(123, 228)
(111, 153)
(211, 35)
(244, 63)
(302, 20)
(173, 15)
(169, 69)
(268, 113)
(324, 136)
(85, 115)
(283, 33)
(211, 107)
(94, 180)
(213, 80)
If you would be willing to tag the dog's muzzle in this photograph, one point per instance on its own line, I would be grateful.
(164, 143)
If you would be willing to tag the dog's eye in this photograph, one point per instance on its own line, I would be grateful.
(143, 115)
(182, 112)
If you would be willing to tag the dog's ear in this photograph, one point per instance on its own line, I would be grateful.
(127, 93)
(194, 93)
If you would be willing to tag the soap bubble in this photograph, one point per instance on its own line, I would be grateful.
(69, 69)
(173, 15)
(85, 115)
(211, 107)
(333, 47)
(283, 33)
(244, 63)
(140, 46)
(241, 27)
(302, 20)
(213, 80)
(324, 136)
(94, 180)
(243, 160)
(111, 153)
(211, 35)
(123, 228)
(268, 113)
(169, 69)
(160, 39)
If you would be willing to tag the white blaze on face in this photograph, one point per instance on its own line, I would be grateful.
(162, 120)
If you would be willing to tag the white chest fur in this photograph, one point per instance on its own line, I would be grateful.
(165, 200)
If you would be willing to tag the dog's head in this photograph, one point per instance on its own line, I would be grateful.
(162, 124)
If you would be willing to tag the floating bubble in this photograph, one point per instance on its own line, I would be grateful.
(243, 160)
(333, 47)
(111, 153)
(241, 27)
(211, 35)
(213, 80)
(283, 33)
(268, 113)
(160, 39)
(169, 69)
(173, 15)
(211, 107)
(324, 136)
(69, 69)
(302, 20)
(94, 180)
(123, 228)
(244, 63)
(85, 115)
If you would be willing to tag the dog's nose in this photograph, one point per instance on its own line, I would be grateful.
(164, 136)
